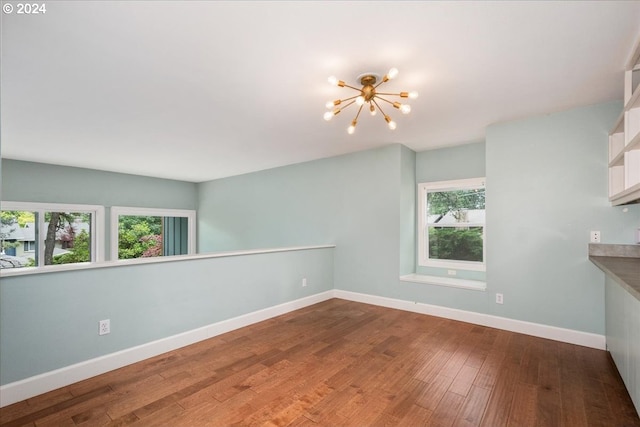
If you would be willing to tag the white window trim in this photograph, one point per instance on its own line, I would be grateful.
(423, 243)
(97, 229)
(116, 211)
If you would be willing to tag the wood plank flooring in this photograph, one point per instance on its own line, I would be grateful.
(341, 363)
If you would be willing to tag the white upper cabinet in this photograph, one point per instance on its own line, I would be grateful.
(624, 140)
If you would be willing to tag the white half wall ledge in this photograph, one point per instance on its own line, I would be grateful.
(48, 381)
(9, 272)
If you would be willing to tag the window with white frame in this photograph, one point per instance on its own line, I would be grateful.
(151, 233)
(451, 224)
(50, 234)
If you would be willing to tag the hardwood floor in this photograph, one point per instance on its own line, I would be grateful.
(342, 363)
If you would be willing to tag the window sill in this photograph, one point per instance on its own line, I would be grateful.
(475, 285)
(456, 265)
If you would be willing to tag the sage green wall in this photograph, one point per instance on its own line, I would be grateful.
(40, 182)
(368, 221)
(446, 164)
(352, 200)
(289, 206)
(546, 189)
(407, 210)
(449, 163)
(363, 202)
(50, 320)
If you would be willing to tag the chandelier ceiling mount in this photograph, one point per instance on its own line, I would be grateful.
(368, 78)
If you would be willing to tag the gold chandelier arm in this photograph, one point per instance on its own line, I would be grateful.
(392, 94)
(378, 106)
(381, 81)
(385, 78)
(354, 88)
(404, 109)
(346, 105)
(349, 99)
(385, 100)
(358, 115)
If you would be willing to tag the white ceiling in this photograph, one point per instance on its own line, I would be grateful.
(206, 89)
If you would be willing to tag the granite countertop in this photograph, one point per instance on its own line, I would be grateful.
(621, 262)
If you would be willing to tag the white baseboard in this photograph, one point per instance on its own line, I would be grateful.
(48, 381)
(570, 336)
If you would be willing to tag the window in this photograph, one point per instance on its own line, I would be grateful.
(149, 233)
(451, 224)
(48, 234)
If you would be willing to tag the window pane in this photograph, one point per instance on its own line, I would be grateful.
(460, 206)
(452, 224)
(151, 236)
(18, 239)
(456, 243)
(66, 237)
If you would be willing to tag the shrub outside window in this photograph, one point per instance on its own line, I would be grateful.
(138, 233)
(451, 224)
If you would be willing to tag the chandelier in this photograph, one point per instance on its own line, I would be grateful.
(368, 94)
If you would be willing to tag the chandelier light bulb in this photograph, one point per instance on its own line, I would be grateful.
(351, 129)
(360, 100)
(333, 80)
(328, 115)
(392, 125)
(331, 104)
(413, 95)
(405, 109)
(393, 73)
(372, 110)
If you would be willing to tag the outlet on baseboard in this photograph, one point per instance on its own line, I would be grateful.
(104, 327)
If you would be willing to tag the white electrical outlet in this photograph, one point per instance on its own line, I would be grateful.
(452, 272)
(595, 237)
(499, 299)
(304, 282)
(104, 327)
